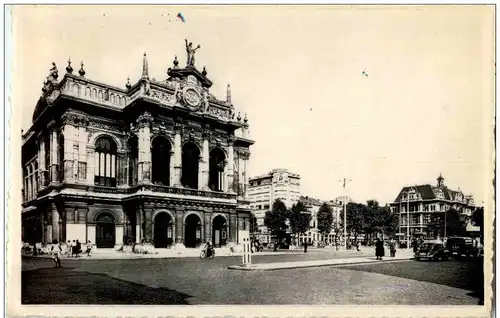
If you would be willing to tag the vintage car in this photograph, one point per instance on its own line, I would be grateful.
(460, 247)
(431, 251)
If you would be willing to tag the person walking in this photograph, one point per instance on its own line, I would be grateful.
(379, 249)
(56, 250)
(78, 248)
(305, 246)
(393, 248)
(89, 248)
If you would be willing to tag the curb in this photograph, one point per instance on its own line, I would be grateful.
(253, 267)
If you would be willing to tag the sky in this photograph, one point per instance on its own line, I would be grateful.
(383, 96)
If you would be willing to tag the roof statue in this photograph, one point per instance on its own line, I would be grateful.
(53, 72)
(190, 52)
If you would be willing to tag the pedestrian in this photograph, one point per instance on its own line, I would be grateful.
(73, 248)
(393, 248)
(357, 246)
(55, 250)
(78, 248)
(305, 246)
(379, 249)
(275, 246)
(89, 248)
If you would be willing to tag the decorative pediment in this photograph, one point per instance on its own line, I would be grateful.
(190, 75)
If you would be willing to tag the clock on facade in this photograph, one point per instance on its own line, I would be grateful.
(192, 98)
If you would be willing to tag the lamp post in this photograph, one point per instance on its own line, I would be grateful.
(344, 183)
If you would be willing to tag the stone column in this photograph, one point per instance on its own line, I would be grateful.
(240, 176)
(55, 222)
(177, 157)
(179, 226)
(224, 176)
(230, 167)
(201, 175)
(205, 162)
(148, 227)
(233, 228)
(120, 171)
(144, 164)
(82, 152)
(138, 227)
(41, 161)
(245, 177)
(90, 164)
(172, 168)
(53, 154)
(67, 164)
(208, 226)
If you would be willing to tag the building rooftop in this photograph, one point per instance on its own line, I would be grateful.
(278, 170)
(438, 192)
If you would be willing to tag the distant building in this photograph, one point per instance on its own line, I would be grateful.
(425, 200)
(313, 235)
(263, 190)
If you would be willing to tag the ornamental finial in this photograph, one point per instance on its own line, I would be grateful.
(228, 94)
(81, 71)
(176, 62)
(128, 86)
(69, 69)
(246, 118)
(145, 71)
(204, 72)
(239, 117)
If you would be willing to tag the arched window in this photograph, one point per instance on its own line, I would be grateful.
(133, 154)
(61, 157)
(161, 161)
(190, 164)
(105, 162)
(216, 170)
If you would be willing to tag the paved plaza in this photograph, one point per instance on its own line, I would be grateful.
(209, 281)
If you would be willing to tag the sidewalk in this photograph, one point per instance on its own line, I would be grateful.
(110, 253)
(400, 256)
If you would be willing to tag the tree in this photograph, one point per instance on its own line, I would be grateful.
(391, 221)
(275, 220)
(478, 220)
(455, 222)
(436, 225)
(325, 219)
(300, 218)
(355, 218)
(253, 224)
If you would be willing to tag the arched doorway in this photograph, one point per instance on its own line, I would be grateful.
(216, 168)
(192, 231)
(219, 231)
(190, 163)
(163, 232)
(161, 161)
(105, 231)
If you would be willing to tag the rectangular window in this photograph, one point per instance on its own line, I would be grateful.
(82, 170)
(112, 165)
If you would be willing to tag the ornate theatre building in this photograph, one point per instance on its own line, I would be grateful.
(159, 162)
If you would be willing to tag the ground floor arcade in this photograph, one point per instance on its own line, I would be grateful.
(162, 224)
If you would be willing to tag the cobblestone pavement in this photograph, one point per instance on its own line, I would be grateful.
(196, 281)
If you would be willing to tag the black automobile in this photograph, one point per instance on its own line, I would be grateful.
(461, 247)
(431, 251)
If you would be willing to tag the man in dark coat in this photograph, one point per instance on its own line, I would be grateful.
(379, 249)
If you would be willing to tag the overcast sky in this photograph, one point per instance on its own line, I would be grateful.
(424, 108)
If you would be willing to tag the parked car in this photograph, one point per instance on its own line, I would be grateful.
(461, 247)
(432, 251)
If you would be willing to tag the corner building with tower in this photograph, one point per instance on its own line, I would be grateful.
(158, 162)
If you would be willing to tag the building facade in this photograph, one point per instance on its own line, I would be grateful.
(314, 235)
(158, 162)
(265, 189)
(416, 204)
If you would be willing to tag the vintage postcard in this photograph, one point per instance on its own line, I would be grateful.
(250, 160)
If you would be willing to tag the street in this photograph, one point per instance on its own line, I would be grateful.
(196, 281)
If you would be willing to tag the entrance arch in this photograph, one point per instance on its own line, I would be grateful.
(219, 231)
(192, 231)
(163, 230)
(105, 231)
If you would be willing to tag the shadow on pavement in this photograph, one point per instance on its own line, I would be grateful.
(467, 274)
(75, 287)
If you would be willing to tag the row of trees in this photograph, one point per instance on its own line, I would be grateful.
(360, 218)
(370, 219)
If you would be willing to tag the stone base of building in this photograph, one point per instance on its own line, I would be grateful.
(159, 223)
